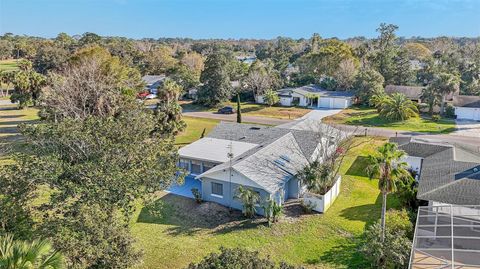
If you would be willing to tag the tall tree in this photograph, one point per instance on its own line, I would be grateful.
(445, 84)
(368, 82)
(168, 112)
(215, 77)
(388, 166)
(385, 51)
(101, 153)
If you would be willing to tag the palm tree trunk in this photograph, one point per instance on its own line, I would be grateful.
(384, 211)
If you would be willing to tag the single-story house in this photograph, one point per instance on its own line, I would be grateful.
(467, 107)
(413, 93)
(153, 82)
(313, 96)
(447, 231)
(447, 174)
(266, 159)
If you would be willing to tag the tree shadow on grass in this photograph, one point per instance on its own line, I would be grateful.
(358, 167)
(367, 213)
(346, 255)
(186, 217)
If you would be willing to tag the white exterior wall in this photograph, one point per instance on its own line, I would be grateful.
(323, 202)
(415, 163)
(331, 102)
(467, 113)
(259, 99)
(286, 101)
(303, 99)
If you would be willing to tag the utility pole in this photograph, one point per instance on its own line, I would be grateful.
(230, 157)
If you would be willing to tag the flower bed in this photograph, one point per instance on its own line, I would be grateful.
(321, 203)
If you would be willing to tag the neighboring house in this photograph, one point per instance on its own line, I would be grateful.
(447, 233)
(447, 174)
(413, 93)
(313, 96)
(153, 82)
(266, 159)
(467, 107)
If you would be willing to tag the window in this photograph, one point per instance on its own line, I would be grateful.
(183, 163)
(217, 189)
(207, 166)
(196, 167)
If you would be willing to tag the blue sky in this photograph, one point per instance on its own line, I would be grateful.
(239, 18)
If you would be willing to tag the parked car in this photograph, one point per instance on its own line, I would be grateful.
(226, 110)
(143, 95)
(151, 96)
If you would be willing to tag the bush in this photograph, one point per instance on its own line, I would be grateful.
(399, 220)
(393, 252)
(272, 210)
(271, 97)
(450, 111)
(435, 118)
(237, 258)
(307, 207)
(197, 195)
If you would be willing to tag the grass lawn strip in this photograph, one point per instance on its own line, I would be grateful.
(259, 110)
(369, 117)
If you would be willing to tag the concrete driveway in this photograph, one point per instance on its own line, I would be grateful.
(467, 128)
(309, 120)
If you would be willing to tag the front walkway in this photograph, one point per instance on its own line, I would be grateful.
(185, 190)
(311, 119)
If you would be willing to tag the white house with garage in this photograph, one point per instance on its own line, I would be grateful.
(265, 159)
(313, 96)
(467, 107)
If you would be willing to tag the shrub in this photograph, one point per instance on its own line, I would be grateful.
(435, 118)
(272, 211)
(271, 97)
(393, 252)
(249, 199)
(399, 220)
(197, 195)
(450, 111)
(237, 258)
(307, 207)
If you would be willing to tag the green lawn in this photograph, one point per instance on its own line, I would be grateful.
(195, 127)
(259, 110)
(8, 65)
(10, 139)
(175, 233)
(370, 118)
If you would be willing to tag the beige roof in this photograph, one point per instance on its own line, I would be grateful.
(466, 101)
(412, 92)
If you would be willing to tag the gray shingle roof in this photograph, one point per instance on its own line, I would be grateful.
(258, 134)
(447, 174)
(263, 163)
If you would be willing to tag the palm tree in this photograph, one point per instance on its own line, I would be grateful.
(28, 255)
(431, 97)
(444, 84)
(377, 101)
(398, 107)
(388, 167)
(249, 199)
